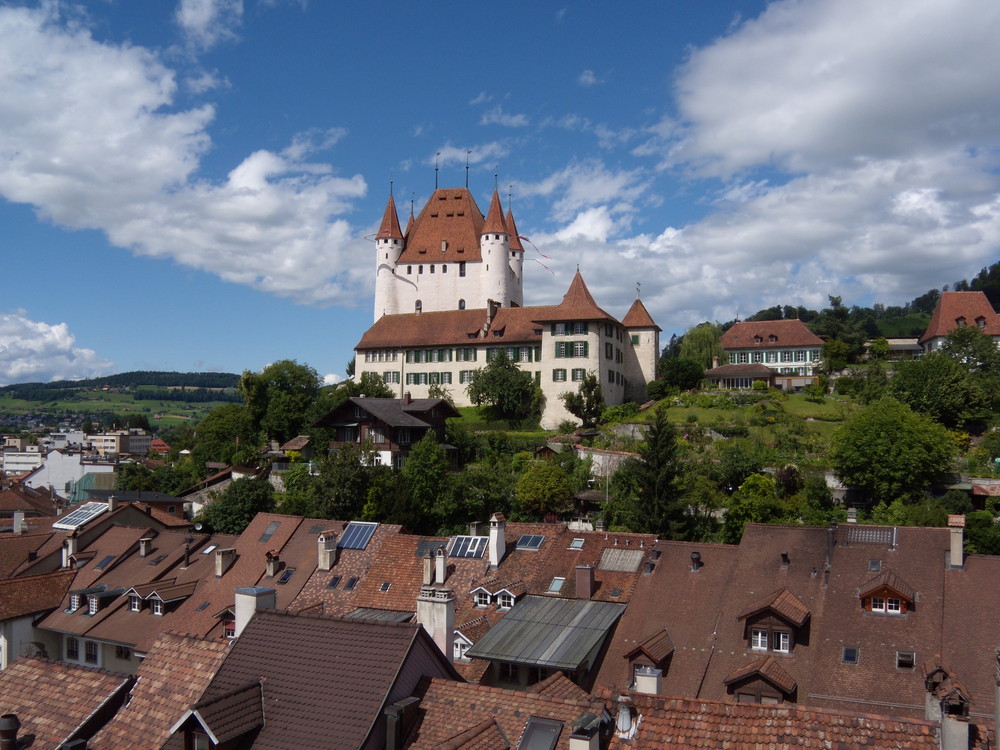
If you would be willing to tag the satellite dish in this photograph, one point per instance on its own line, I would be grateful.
(197, 527)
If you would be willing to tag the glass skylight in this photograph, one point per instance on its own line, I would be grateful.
(530, 541)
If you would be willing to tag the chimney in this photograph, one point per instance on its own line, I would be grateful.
(19, 522)
(474, 527)
(695, 561)
(498, 540)
(407, 399)
(273, 563)
(428, 577)
(398, 722)
(715, 362)
(8, 731)
(440, 565)
(584, 581)
(249, 600)
(145, 545)
(326, 550)
(586, 733)
(70, 548)
(436, 612)
(956, 527)
(224, 559)
(954, 732)
(648, 680)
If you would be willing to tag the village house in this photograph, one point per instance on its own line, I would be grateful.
(789, 351)
(960, 310)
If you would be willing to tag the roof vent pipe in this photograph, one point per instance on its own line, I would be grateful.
(695, 561)
(9, 725)
(784, 559)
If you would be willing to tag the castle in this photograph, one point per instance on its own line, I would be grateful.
(448, 296)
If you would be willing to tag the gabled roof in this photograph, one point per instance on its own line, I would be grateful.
(783, 603)
(768, 668)
(577, 304)
(394, 412)
(638, 317)
(228, 716)
(968, 307)
(891, 580)
(389, 229)
(768, 334)
(326, 680)
(451, 220)
(656, 648)
(52, 699)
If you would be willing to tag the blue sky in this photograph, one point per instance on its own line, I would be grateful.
(193, 185)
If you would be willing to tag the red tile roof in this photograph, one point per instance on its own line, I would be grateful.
(638, 317)
(451, 216)
(173, 675)
(494, 223)
(389, 229)
(758, 335)
(968, 307)
(515, 239)
(32, 594)
(577, 304)
(768, 668)
(782, 602)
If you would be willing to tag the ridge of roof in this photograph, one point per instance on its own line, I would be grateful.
(389, 229)
(577, 304)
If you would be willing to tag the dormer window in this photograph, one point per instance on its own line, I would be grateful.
(135, 603)
(92, 605)
(74, 602)
(960, 322)
(482, 599)
(773, 622)
(888, 594)
(981, 322)
(506, 600)
(157, 607)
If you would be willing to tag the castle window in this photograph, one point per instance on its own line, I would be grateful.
(418, 306)
(432, 268)
(409, 270)
(461, 268)
(444, 268)
(461, 304)
(420, 269)
(578, 374)
(635, 339)
(559, 376)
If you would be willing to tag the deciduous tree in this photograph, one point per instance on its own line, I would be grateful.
(502, 389)
(587, 402)
(235, 507)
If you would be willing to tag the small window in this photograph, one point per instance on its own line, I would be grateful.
(74, 602)
(104, 562)
(874, 566)
(506, 600)
(229, 628)
(73, 649)
(576, 544)
(123, 652)
(91, 605)
(385, 586)
(285, 576)
(334, 582)
(461, 304)
(351, 583)
(849, 655)
(758, 639)
(893, 605)
(878, 604)
(782, 641)
(556, 585)
(418, 306)
(460, 647)
(90, 652)
(269, 531)
(157, 607)
(135, 603)
(482, 599)
(409, 270)
(905, 659)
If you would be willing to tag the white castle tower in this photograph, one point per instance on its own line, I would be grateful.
(449, 258)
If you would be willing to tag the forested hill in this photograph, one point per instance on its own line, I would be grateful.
(136, 379)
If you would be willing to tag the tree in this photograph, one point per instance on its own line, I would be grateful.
(682, 374)
(544, 488)
(890, 451)
(343, 480)
(879, 348)
(701, 343)
(756, 501)
(219, 435)
(502, 389)
(941, 388)
(835, 355)
(587, 402)
(663, 510)
(235, 507)
(279, 397)
(426, 474)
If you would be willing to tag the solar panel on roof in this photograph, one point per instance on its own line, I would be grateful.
(85, 513)
(469, 546)
(357, 535)
(530, 541)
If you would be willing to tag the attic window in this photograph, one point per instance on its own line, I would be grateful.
(286, 576)
(92, 605)
(269, 531)
(334, 582)
(349, 586)
(506, 600)
(576, 544)
(104, 562)
(556, 586)
(981, 322)
(135, 603)
(530, 541)
(203, 605)
(772, 338)
(540, 734)
(209, 549)
(905, 659)
(874, 566)
(158, 560)
(385, 586)
(482, 599)
(849, 655)
(74, 602)
(157, 607)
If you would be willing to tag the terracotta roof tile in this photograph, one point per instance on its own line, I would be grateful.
(758, 335)
(451, 216)
(494, 223)
(389, 229)
(577, 304)
(32, 594)
(968, 307)
(172, 677)
(638, 317)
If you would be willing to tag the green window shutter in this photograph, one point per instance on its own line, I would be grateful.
(586, 348)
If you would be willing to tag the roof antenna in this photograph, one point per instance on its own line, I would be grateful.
(437, 159)
(390, 188)
(467, 152)
(637, 285)
(496, 178)
(510, 191)
(412, 194)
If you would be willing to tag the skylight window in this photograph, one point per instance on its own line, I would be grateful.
(202, 606)
(576, 544)
(349, 586)
(334, 582)
(158, 560)
(286, 576)
(530, 541)
(82, 515)
(357, 535)
(874, 566)
(209, 548)
(469, 546)
(385, 586)
(556, 586)
(104, 562)
(850, 655)
(269, 531)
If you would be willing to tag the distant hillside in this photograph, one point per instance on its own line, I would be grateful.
(137, 379)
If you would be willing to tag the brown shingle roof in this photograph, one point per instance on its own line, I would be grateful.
(31, 594)
(969, 307)
(577, 304)
(782, 602)
(768, 668)
(758, 335)
(890, 580)
(638, 317)
(494, 223)
(451, 216)
(389, 229)
(656, 648)
(173, 675)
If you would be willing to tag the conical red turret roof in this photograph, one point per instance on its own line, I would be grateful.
(638, 317)
(578, 304)
(389, 229)
(494, 223)
(515, 240)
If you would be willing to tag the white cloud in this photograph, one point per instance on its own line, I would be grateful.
(497, 116)
(32, 351)
(587, 78)
(206, 22)
(484, 152)
(586, 184)
(481, 98)
(332, 379)
(104, 149)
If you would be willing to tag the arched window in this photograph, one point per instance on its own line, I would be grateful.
(461, 304)
(419, 306)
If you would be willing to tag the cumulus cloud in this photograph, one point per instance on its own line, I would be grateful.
(587, 184)
(33, 351)
(105, 149)
(206, 22)
(496, 116)
(484, 152)
(587, 78)
(855, 148)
